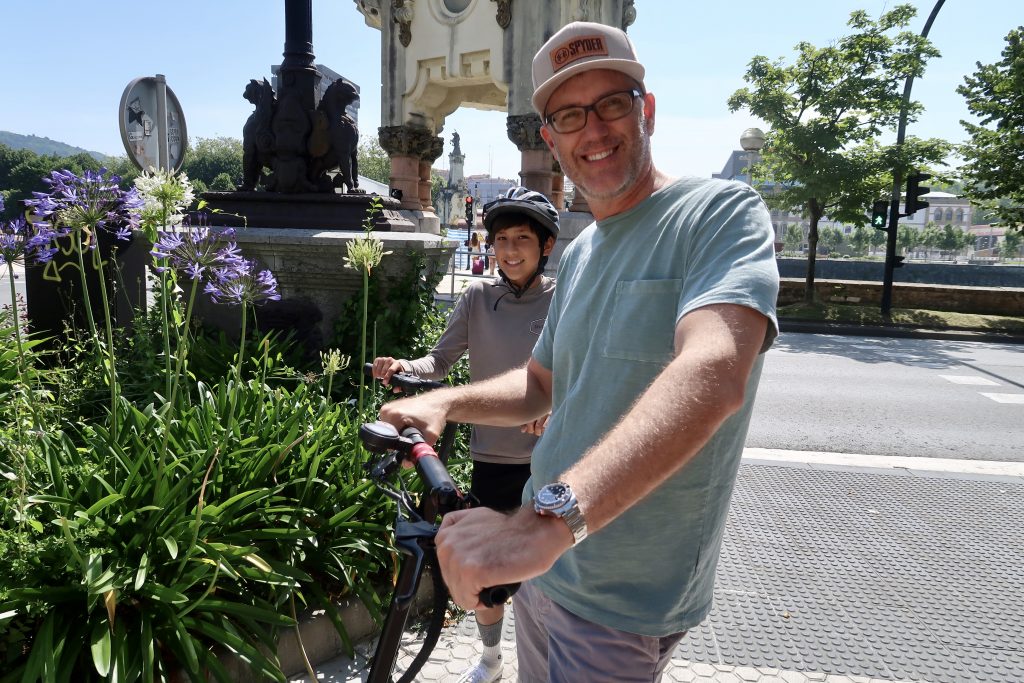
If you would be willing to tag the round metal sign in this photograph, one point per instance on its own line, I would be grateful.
(152, 125)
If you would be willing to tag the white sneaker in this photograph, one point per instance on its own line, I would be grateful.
(481, 673)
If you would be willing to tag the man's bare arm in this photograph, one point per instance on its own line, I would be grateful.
(507, 400)
(716, 347)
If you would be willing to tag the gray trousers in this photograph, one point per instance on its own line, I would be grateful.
(554, 645)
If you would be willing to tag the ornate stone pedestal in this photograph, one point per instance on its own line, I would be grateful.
(313, 280)
(320, 211)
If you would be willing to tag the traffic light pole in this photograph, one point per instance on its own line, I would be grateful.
(897, 183)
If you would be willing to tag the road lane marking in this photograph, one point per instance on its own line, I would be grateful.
(888, 462)
(970, 379)
(1004, 398)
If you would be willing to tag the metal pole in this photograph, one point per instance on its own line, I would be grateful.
(897, 182)
(163, 159)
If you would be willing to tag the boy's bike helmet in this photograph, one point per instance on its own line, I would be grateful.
(526, 202)
(521, 201)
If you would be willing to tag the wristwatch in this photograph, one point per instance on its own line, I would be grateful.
(558, 500)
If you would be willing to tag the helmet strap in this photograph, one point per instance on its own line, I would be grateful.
(517, 291)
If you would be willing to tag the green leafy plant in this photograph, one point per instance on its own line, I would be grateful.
(192, 515)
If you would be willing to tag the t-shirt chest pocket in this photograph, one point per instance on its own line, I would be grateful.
(642, 323)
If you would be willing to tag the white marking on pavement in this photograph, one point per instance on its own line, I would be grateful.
(970, 379)
(889, 462)
(1004, 398)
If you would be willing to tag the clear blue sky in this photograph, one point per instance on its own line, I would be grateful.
(66, 64)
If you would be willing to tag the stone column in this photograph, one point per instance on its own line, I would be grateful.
(429, 155)
(405, 145)
(557, 195)
(535, 170)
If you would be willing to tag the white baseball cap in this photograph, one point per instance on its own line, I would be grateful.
(578, 47)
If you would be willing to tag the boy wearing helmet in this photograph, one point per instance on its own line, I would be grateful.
(498, 322)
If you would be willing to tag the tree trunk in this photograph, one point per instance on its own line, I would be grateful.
(812, 249)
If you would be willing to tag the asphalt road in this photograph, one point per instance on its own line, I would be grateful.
(887, 396)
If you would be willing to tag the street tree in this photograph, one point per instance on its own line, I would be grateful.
(878, 238)
(207, 158)
(793, 237)
(860, 240)
(825, 112)
(906, 238)
(994, 169)
(833, 239)
(952, 240)
(1012, 241)
(374, 162)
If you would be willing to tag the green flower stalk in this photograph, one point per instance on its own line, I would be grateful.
(165, 198)
(333, 362)
(81, 209)
(364, 254)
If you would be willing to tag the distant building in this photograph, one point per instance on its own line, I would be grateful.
(944, 208)
(327, 76)
(485, 189)
(988, 239)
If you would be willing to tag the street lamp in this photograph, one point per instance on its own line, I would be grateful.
(752, 140)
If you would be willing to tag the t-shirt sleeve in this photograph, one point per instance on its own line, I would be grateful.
(732, 258)
(543, 350)
(454, 342)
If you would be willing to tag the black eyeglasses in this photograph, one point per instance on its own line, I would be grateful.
(609, 108)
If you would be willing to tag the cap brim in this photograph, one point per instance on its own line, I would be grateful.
(633, 69)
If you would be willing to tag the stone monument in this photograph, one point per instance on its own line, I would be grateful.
(299, 204)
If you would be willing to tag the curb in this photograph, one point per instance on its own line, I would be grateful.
(319, 638)
(898, 331)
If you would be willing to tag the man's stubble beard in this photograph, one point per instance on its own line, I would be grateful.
(639, 153)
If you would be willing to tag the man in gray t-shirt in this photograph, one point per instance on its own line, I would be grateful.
(649, 362)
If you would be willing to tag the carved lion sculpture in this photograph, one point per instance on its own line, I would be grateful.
(334, 142)
(257, 135)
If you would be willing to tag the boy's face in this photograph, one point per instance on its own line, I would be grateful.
(518, 251)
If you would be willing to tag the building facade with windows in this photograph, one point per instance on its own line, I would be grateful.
(944, 208)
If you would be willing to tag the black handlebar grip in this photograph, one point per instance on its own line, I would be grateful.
(498, 595)
(437, 481)
(405, 381)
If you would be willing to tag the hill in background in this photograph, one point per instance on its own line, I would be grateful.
(44, 146)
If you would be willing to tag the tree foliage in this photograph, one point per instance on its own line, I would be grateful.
(22, 172)
(793, 237)
(208, 158)
(994, 172)
(826, 111)
(374, 162)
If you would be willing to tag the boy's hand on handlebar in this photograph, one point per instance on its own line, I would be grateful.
(384, 367)
(536, 427)
(480, 547)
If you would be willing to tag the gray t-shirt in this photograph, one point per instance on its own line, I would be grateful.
(499, 332)
(624, 284)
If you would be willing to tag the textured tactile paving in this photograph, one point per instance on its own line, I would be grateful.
(880, 576)
(839, 576)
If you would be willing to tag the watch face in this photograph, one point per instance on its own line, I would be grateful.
(553, 496)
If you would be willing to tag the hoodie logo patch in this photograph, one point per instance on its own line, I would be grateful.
(537, 325)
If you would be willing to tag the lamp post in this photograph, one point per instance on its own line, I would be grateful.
(752, 140)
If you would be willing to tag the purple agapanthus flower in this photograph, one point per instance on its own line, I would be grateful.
(194, 251)
(239, 282)
(23, 242)
(92, 201)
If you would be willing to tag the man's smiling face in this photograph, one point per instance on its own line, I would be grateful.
(604, 159)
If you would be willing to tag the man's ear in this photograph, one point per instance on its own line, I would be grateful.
(546, 134)
(549, 244)
(649, 113)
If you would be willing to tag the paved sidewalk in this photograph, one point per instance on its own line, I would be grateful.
(907, 569)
